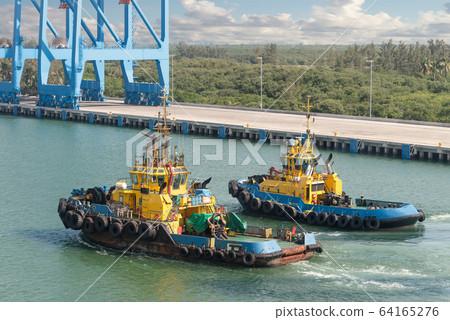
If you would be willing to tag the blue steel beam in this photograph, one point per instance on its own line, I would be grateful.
(17, 61)
(77, 59)
(108, 25)
(83, 24)
(149, 27)
(49, 24)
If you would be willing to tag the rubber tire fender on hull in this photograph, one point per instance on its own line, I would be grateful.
(322, 218)
(278, 209)
(332, 220)
(132, 227)
(101, 223)
(312, 217)
(88, 225)
(356, 223)
(372, 223)
(248, 259)
(255, 204)
(343, 221)
(115, 229)
(267, 207)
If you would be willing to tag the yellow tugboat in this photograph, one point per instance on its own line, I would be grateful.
(309, 190)
(160, 212)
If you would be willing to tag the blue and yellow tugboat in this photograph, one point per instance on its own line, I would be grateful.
(159, 212)
(307, 192)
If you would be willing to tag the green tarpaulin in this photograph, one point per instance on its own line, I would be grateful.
(234, 223)
(199, 222)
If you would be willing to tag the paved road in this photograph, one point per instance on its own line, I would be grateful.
(429, 135)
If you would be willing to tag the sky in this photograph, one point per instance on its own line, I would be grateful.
(262, 21)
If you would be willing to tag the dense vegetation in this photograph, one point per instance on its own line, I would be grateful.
(409, 81)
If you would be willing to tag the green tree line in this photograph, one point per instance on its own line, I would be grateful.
(409, 81)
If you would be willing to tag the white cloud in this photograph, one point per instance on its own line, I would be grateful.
(326, 23)
(207, 22)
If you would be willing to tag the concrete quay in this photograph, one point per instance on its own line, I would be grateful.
(397, 138)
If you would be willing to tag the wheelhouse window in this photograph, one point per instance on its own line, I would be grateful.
(183, 179)
(134, 178)
(176, 182)
(160, 180)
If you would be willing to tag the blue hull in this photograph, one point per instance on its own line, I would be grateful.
(389, 214)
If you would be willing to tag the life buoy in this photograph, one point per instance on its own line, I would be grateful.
(332, 220)
(267, 207)
(312, 217)
(248, 259)
(322, 218)
(356, 223)
(343, 221)
(372, 223)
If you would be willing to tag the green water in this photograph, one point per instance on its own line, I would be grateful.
(43, 160)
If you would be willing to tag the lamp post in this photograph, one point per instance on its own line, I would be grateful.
(171, 56)
(261, 103)
(370, 103)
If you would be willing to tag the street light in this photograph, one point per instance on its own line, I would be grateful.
(370, 103)
(172, 76)
(260, 104)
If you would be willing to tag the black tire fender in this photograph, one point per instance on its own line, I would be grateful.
(248, 259)
(343, 221)
(101, 223)
(301, 216)
(184, 251)
(219, 256)
(372, 223)
(267, 207)
(68, 218)
(88, 225)
(62, 206)
(115, 229)
(76, 222)
(278, 209)
(244, 197)
(312, 217)
(132, 227)
(356, 223)
(231, 256)
(290, 212)
(208, 253)
(255, 204)
(322, 218)
(422, 217)
(332, 220)
(197, 252)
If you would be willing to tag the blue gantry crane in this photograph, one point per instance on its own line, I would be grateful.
(74, 52)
